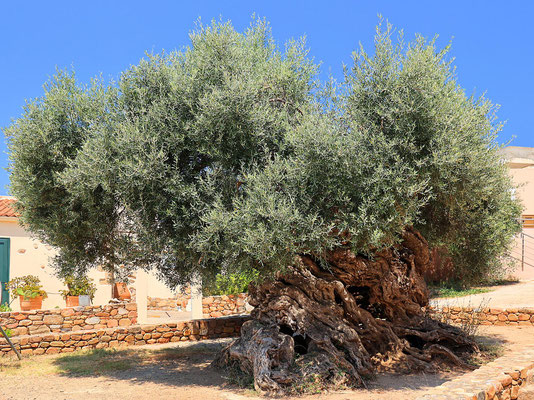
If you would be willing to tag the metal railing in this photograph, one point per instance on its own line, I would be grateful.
(525, 252)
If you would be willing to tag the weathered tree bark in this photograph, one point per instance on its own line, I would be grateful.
(337, 325)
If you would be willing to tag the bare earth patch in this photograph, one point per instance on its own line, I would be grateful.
(183, 372)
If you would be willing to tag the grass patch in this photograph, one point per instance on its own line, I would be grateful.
(81, 363)
(27, 367)
(235, 376)
(457, 289)
(489, 350)
(97, 362)
(503, 282)
(456, 292)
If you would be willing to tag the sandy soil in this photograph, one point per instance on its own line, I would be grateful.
(187, 375)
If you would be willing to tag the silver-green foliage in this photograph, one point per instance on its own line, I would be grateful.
(409, 95)
(226, 157)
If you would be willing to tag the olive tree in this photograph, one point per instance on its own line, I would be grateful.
(230, 157)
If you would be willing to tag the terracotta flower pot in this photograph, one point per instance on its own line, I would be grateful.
(121, 292)
(31, 304)
(72, 301)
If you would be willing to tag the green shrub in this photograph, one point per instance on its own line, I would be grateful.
(78, 285)
(5, 308)
(232, 283)
(28, 286)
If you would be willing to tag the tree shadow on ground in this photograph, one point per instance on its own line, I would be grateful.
(174, 366)
(181, 370)
(190, 366)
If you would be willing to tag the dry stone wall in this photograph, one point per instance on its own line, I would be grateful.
(219, 306)
(168, 304)
(66, 342)
(22, 323)
(212, 306)
(485, 316)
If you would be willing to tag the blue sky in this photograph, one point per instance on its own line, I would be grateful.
(493, 42)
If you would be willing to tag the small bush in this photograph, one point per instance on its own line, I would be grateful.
(233, 283)
(78, 285)
(5, 308)
(28, 286)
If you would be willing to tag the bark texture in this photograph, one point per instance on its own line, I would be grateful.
(335, 326)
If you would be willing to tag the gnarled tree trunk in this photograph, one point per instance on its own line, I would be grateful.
(336, 326)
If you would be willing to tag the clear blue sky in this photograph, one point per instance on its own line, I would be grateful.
(493, 42)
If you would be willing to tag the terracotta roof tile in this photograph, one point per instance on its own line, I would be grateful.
(7, 209)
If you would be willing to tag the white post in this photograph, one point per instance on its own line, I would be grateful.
(141, 293)
(196, 299)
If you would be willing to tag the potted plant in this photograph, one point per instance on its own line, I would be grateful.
(29, 290)
(120, 287)
(80, 291)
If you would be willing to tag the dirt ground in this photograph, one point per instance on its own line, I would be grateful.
(182, 372)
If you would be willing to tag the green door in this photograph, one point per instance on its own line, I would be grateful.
(4, 269)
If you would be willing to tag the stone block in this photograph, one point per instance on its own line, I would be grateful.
(67, 312)
(92, 320)
(33, 330)
(54, 319)
(112, 323)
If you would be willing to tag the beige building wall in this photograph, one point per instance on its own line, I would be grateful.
(29, 256)
(524, 180)
(520, 161)
(156, 288)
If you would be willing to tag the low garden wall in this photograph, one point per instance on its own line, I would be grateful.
(69, 319)
(167, 304)
(51, 343)
(219, 306)
(484, 316)
(212, 306)
(82, 318)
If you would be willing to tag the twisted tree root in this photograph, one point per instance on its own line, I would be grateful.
(337, 325)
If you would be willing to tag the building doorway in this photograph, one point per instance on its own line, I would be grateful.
(4, 270)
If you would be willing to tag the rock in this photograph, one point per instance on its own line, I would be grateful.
(38, 329)
(67, 312)
(112, 323)
(53, 319)
(92, 320)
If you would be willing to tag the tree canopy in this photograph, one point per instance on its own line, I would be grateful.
(231, 156)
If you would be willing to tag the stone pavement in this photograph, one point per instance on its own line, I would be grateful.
(503, 378)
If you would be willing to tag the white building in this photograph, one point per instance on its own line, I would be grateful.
(20, 255)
